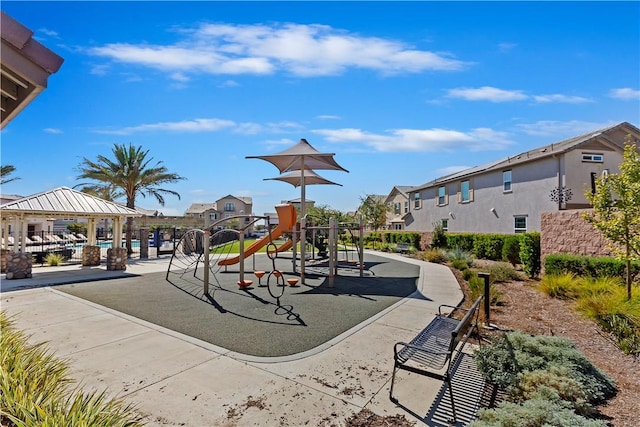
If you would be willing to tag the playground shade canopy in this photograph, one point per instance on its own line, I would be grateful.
(299, 157)
(310, 178)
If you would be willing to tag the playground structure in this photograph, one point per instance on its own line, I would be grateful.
(190, 251)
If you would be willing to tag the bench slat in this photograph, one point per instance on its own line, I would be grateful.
(433, 341)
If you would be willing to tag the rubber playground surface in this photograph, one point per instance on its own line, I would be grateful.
(252, 321)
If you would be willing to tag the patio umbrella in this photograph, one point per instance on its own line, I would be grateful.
(301, 157)
(310, 178)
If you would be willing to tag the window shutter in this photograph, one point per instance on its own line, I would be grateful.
(471, 195)
(459, 196)
(446, 199)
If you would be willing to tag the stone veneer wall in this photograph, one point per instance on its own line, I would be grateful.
(3, 260)
(117, 259)
(565, 232)
(18, 265)
(91, 255)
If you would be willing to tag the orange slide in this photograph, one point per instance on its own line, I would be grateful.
(286, 220)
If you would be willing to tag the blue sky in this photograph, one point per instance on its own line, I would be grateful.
(401, 92)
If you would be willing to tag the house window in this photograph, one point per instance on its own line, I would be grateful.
(406, 206)
(213, 216)
(465, 192)
(397, 226)
(445, 224)
(416, 200)
(396, 208)
(506, 181)
(229, 207)
(593, 157)
(520, 224)
(442, 196)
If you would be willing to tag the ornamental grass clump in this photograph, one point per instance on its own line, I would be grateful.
(54, 259)
(35, 389)
(537, 369)
(562, 286)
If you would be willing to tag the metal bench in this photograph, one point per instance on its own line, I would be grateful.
(402, 247)
(439, 344)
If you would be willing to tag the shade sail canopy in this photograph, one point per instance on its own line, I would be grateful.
(301, 156)
(310, 178)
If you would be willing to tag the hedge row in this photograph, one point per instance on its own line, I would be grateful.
(395, 237)
(587, 266)
(514, 248)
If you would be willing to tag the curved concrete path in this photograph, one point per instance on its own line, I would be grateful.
(175, 379)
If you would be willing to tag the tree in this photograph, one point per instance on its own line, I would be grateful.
(5, 171)
(374, 211)
(319, 216)
(616, 208)
(132, 172)
(108, 192)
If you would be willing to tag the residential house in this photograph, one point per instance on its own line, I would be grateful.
(398, 203)
(225, 207)
(509, 195)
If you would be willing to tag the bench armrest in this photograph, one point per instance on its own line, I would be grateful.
(451, 306)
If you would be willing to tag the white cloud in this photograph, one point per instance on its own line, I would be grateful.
(561, 98)
(48, 32)
(328, 117)
(506, 47)
(302, 50)
(487, 93)
(420, 140)
(54, 131)
(195, 125)
(560, 129)
(229, 83)
(625, 93)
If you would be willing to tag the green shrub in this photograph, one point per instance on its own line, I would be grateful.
(459, 264)
(468, 274)
(439, 239)
(54, 259)
(588, 266)
(476, 288)
(553, 384)
(463, 241)
(488, 246)
(502, 272)
(503, 361)
(533, 413)
(530, 253)
(435, 256)
(35, 389)
(511, 249)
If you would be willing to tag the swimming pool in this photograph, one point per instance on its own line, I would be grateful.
(108, 244)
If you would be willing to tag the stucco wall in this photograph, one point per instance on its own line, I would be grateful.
(565, 232)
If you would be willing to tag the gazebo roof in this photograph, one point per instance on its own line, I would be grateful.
(67, 203)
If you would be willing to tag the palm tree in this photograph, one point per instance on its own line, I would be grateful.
(5, 171)
(131, 172)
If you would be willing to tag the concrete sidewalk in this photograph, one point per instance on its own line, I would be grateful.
(175, 379)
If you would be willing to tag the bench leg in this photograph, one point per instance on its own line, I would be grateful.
(453, 405)
(393, 376)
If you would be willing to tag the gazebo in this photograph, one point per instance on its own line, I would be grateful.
(61, 202)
